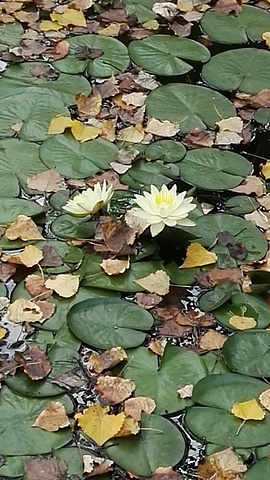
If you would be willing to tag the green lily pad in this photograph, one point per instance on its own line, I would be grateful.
(164, 54)
(18, 413)
(241, 204)
(143, 174)
(12, 467)
(159, 443)
(33, 112)
(189, 105)
(77, 160)
(66, 226)
(15, 168)
(218, 296)
(141, 8)
(248, 352)
(249, 24)
(168, 151)
(73, 457)
(261, 470)
(10, 35)
(262, 116)
(244, 69)
(182, 277)
(12, 207)
(160, 380)
(215, 169)
(59, 199)
(105, 323)
(83, 50)
(244, 303)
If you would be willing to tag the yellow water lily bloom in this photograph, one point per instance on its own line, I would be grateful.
(90, 200)
(164, 207)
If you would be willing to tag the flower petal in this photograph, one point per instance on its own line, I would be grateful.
(156, 229)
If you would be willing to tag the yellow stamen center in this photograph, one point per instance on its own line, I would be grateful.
(164, 198)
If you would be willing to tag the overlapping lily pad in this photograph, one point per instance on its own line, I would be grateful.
(241, 204)
(262, 116)
(261, 469)
(66, 226)
(141, 8)
(12, 207)
(10, 35)
(142, 174)
(169, 151)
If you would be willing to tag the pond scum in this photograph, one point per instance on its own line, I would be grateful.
(134, 228)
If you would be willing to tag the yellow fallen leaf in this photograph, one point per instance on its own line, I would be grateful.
(186, 391)
(3, 332)
(65, 284)
(264, 399)
(198, 256)
(242, 323)
(231, 124)
(157, 282)
(59, 124)
(29, 257)
(98, 424)
(23, 310)
(266, 170)
(69, 17)
(131, 134)
(212, 340)
(24, 228)
(151, 25)
(266, 38)
(249, 410)
(83, 133)
(115, 266)
(52, 418)
(185, 5)
(111, 31)
(47, 25)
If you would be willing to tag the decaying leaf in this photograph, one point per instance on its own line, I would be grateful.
(115, 266)
(47, 308)
(34, 362)
(162, 128)
(231, 124)
(157, 282)
(23, 310)
(114, 390)
(108, 359)
(186, 391)
(218, 275)
(227, 6)
(223, 465)
(7, 270)
(65, 284)
(131, 134)
(24, 228)
(52, 418)
(48, 181)
(157, 346)
(249, 410)
(147, 300)
(212, 340)
(242, 322)
(96, 422)
(251, 185)
(88, 106)
(129, 427)
(35, 285)
(29, 257)
(264, 399)
(199, 138)
(133, 407)
(266, 38)
(69, 17)
(165, 473)
(93, 465)
(197, 256)
(45, 469)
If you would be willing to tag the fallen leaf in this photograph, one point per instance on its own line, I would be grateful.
(264, 399)
(231, 124)
(266, 38)
(249, 410)
(47, 308)
(59, 51)
(111, 178)
(35, 285)
(199, 138)
(223, 465)
(198, 256)
(261, 219)
(114, 390)
(47, 25)
(157, 282)
(112, 30)
(133, 407)
(186, 391)
(98, 425)
(115, 266)
(48, 181)
(45, 469)
(162, 128)
(4, 302)
(165, 9)
(228, 138)
(88, 106)
(219, 275)
(227, 6)
(261, 99)
(52, 418)
(51, 257)
(157, 346)
(171, 328)
(165, 473)
(251, 185)
(3, 332)
(69, 17)
(137, 99)
(65, 284)
(59, 124)
(131, 134)
(24, 228)
(147, 300)
(129, 427)
(93, 465)
(83, 133)
(7, 270)
(116, 235)
(29, 257)
(266, 170)
(27, 17)
(151, 24)
(34, 362)
(108, 359)
(242, 323)
(212, 340)
(264, 201)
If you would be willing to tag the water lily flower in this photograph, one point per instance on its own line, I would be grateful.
(164, 207)
(90, 200)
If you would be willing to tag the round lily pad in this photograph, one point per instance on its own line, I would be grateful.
(249, 24)
(260, 470)
(30, 114)
(244, 69)
(105, 323)
(12, 467)
(189, 105)
(209, 301)
(169, 151)
(215, 169)
(244, 304)
(10, 35)
(143, 174)
(159, 443)
(141, 8)
(66, 226)
(241, 204)
(12, 207)
(248, 352)
(77, 160)
(160, 380)
(100, 56)
(262, 116)
(164, 54)
(38, 77)
(18, 414)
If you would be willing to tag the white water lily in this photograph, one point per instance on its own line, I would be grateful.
(164, 207)
(90, 200)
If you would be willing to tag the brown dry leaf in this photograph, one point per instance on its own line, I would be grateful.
(23, 310)
(223, 465)
(47, 308)
(10, 7)
(81, 4)
(45, 469)
(65, 284)
(212, 340)
(162, 128)
(261, 219)
(198, 256)
(48, 181)
(59, 51)
(166, 473)
(186, 391)
(35, 285)
(264, 201)
(133, 407)
(242, 322)
(27, 17)
(111, 177)
(157, 346)
(194, 319)
(199, 138)
(116, 235)
(131, 134)
(227, 6)
(181, 30)
(218, 275)
(108, 88)
(96, 422)
(108, 129)
(93, 465)
(172, 329)
(50, 257)
(115, 266)
(264, 399)
(34, 362)
(147, 300)
(231, 124)
(52, 418)
(157, 282)
(29, 257)
(261, 99)
(88, 106)
(7, 270)
(251, 185)
(129, 427)
(108, 359)
(23, 228)
(114, 390)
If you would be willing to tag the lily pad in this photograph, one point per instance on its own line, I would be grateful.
(98, 55)
(164, 54)
(218, 296)
(260, 470)
(244, 69)
(75, 160)
(215, 169)
(31, 114)
(189, 105)
(10, 35)
(143, 174)
(37, 77)
(249, 24)
(246, 304)
(17, 435)
(160, 380)
(105, 323)
(241, 204)
(66, 226)
(159, 443)
(168, 151)
(248, 352)
(12, 207)
(141, 8)
(12, 467)
(73, 456)
(262, 116)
